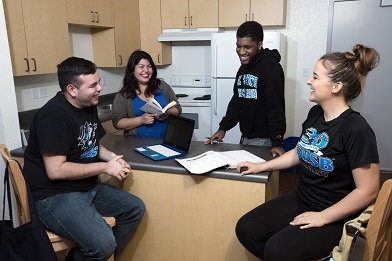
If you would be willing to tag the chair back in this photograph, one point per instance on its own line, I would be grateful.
(18, 185)
(379, 229)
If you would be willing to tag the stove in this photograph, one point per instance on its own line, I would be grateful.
(192, 90)
(194, 95)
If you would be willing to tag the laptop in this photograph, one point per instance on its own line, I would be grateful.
(176, 142)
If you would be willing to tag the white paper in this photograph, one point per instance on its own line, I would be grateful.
(210, 160)
(241, 156)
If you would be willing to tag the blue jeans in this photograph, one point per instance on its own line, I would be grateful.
(78, 217)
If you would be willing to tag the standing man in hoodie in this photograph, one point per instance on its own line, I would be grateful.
(258, 100)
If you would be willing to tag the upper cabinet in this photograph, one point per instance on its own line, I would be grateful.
(189, 13)
(93, 13)
(233, 13)
(37, 34)
(112, 47)
(150, 29)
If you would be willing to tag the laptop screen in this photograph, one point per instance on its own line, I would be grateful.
(179, 132)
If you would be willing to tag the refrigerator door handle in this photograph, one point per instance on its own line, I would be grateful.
(215, 94)
(215, 58)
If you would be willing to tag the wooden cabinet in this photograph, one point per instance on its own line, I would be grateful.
(95, 13)
(150, 29)
(37, 34)
(112, 47)
(233, 13)
(189, 13)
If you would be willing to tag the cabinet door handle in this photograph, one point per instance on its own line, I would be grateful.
(120, 63)
(28, 65)
(35, 64)
(158, 58)
(92, 17)
(185, 21)
(97, 20)
(191, 20)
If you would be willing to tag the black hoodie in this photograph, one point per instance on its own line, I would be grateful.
(258, 100)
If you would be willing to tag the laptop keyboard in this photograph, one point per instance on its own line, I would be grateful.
(163, 150)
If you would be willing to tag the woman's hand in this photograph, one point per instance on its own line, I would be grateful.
(148, 118)
(172, 110)
(308, 220)
(249, 167)
(163, 117)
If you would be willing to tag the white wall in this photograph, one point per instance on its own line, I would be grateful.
(9, 123)
(306, 31)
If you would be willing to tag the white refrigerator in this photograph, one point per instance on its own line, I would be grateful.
(225, 64)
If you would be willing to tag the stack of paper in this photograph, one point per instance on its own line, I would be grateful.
(210, 160)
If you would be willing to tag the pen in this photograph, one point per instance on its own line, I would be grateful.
(215, 140)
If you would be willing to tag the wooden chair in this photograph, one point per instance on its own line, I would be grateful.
(378, 232)
(19, 187)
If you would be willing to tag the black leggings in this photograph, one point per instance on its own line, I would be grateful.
(266, 233)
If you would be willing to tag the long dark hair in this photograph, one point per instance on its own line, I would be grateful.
(130, 84)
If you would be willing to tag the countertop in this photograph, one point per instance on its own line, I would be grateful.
(123, 145)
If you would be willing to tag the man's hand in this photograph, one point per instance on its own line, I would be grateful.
(118, 168)
(219, 135)
(277, 151)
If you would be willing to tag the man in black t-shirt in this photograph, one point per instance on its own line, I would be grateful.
(63, 159)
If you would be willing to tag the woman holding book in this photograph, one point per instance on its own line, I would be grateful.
(141, 85)
(339, 173)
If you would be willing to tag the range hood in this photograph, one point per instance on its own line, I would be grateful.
(192, 34)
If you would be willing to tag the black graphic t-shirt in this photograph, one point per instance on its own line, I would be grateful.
(328, 152)
(60, 128)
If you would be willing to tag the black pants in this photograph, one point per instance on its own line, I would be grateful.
(266, 233)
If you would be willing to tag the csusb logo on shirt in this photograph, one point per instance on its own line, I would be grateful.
(309, 150)
(248, 80)
(87, 140)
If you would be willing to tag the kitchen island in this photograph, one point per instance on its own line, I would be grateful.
(189, 217)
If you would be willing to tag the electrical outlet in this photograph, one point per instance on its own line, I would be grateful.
(34, 93)
(43, 92)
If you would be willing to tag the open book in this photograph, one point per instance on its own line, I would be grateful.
(152, 106)
(210, 160)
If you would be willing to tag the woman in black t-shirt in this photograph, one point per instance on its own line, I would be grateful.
(339, 172)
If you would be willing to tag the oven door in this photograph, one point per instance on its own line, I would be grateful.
(202, 117)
